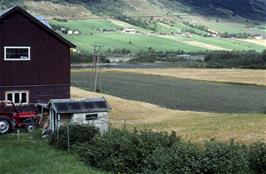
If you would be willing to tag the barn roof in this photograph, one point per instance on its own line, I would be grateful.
(40, 21)
(67, 106)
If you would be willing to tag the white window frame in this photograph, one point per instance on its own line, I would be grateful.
(16, 59)
(20, 96)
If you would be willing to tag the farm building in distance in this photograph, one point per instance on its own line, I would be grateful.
(34, 60)
(85, 111)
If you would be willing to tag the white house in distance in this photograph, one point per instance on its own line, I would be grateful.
(129, 31)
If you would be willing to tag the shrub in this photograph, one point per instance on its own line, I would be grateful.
(122, 151)
(218, 157)
(257, 157)
(179, 158)
(148, 152)
(77, 134)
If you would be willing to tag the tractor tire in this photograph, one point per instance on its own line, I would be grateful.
(30, 128)
(5, 125)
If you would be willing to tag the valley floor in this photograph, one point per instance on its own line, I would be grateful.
(238, 76)
(194, 126)
(170, 91)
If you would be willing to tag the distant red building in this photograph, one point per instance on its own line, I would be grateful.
(34, 59)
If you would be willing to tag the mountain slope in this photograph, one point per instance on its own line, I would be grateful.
(188, 25)
(251, 9)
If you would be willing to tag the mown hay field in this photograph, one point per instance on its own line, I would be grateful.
(241, 76)
(179, 94)
(194, 126)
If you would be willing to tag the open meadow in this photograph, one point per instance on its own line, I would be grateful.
(194, 126)
(174, 93)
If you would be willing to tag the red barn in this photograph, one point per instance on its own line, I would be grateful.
(34, 60)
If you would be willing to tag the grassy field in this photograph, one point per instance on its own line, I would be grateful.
(36, 157)
(132, 42)
(112, 40)
(194, 126)
(238, 76)
(176, 93)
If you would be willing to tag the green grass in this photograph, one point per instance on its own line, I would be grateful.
(178, 94)
(138, 42)
(90, 37)
(231, 44)
(36, 157)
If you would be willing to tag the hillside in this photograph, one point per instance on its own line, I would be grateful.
(188, 25)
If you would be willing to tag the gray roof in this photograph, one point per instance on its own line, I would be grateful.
(67, 106)
(44, 21)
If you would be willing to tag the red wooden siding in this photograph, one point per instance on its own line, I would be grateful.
(48, 71)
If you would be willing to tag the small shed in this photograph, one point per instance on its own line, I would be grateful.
(84, 111)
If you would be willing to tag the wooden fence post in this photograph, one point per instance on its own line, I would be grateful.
(68, 138)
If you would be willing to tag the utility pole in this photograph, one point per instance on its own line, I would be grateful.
(93, 66)
(97, 69)
(100, 70)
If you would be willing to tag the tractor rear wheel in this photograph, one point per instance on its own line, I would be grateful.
(30, 128)
(5, 125)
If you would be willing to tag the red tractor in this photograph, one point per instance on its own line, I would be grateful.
(10, 120)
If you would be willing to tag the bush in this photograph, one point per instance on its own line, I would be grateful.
(122, 151)
(218, 157)
(179, 158)
(150, 152)
(257, 157)
(77, 134)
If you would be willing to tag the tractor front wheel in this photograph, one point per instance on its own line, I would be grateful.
(5, 125)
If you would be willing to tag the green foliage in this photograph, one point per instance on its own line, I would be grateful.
(224, 158)
(148, 152)
(236, 59)
(180, 158)
(77, 134)
(235, 35)
(257, 157)
(151, 55)
(122, 151)
(82, 57)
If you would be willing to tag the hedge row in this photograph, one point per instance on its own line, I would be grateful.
(150, 152)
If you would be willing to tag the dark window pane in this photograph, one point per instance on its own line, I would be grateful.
(17, 53)
(92, 117)
(10, 97)
(24, 97)
(17, 98)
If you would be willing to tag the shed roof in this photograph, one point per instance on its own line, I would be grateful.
(40, 21)
(67, 106)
